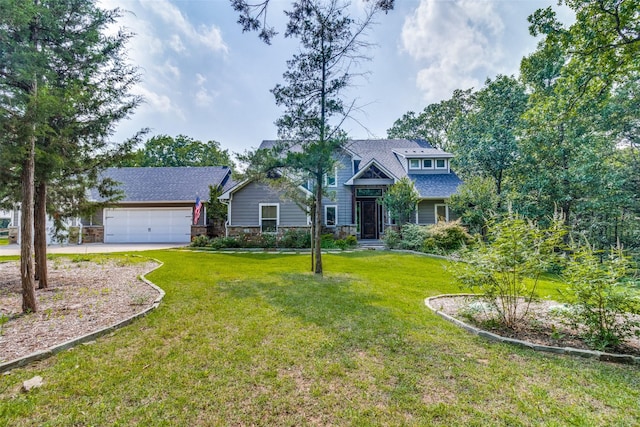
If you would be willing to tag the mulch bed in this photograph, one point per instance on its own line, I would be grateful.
(542, 325)
(82, 297)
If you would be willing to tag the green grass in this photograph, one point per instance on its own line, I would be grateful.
(253, 339)
(4, 240)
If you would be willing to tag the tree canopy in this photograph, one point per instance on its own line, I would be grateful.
(560, 137)
(164, 150)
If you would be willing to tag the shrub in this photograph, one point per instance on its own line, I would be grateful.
(391, 238)
(603, 302)
(200, 242)
(327, 241)
(224, 242)
(352, 241)
(413, 236)
(506, 270)
(448, 236)
(341, 244)
(297, 239)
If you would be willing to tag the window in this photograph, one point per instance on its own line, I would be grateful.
(442, 213)
(331, 180)
(427, 164)
(414, 163)
(330, 215)
(441, 164)
(269, 216)
(368, 192)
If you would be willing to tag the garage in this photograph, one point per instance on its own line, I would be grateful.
(147, 225)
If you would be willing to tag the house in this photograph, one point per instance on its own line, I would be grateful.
(364, 171)
(157, 207)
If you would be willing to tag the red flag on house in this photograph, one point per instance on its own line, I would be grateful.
(196, 211)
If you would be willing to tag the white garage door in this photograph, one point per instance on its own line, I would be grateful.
(147, 225)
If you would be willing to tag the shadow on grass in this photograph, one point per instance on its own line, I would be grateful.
(352, 317)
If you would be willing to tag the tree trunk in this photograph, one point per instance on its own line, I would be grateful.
(318, 227)
(313, 235)
(40, 235)
(29, 302)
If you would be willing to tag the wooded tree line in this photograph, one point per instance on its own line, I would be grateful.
(563, 136)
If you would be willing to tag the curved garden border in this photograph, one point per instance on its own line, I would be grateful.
(43, 354)
(589, 354)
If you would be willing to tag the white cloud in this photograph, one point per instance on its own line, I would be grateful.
(454, 42)
(171, 70)
(200, 79)
(208, 36)
(204, 98)
(175, 42)
(158, 103)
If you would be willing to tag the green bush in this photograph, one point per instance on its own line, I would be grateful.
(506, 270)
(200, 242)
(413, 236)
(448, 236)
(327, 241)
(224, 242)
(352, 241)
(603, 301)
(296, 239)
(391, 238)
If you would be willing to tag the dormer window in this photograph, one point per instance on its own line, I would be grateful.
(427, 164)
(441, 164)
(414, 163)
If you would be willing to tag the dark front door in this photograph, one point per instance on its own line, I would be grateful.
(369, 219)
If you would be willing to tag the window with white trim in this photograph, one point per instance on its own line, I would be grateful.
(330, 215)
(441, 164)
(427, 164)
(269, 217)
(331, 180)
(414, 163)
(442, 213)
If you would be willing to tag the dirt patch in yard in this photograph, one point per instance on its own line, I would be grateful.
(83, 297)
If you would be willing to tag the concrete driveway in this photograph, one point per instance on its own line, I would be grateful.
(93, 248)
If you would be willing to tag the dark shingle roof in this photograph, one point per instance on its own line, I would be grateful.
(436, 185)
(381, 150)
(165, 184)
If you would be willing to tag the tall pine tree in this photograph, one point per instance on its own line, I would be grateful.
(65, 85)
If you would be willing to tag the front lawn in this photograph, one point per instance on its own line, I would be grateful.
(4, 240)
(254, 339)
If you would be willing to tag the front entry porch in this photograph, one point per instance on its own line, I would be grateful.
(370, 216)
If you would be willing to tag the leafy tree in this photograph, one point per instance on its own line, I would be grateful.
(507, 268)
(331, 45)
(434, 122)
(602, 45)
(64, 85)
(401, 200)
(485, 139)
(475, 202)
(564, 155)
(164, 150)
(603, 301)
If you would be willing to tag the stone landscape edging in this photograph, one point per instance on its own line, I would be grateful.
(44, 354)
(571, 351)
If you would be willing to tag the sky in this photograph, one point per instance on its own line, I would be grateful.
(202, 77)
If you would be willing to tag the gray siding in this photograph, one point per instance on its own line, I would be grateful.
(426, 211)
(245, 205)
(342, 197)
